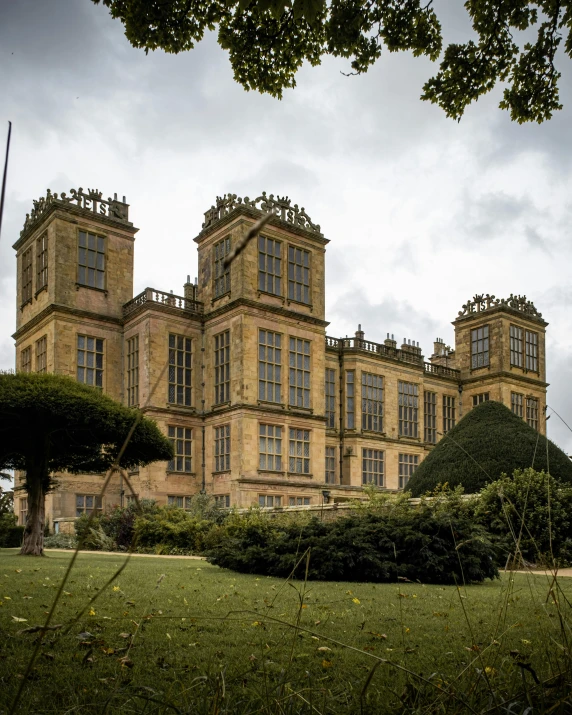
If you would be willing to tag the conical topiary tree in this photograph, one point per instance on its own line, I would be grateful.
(488, 441)
(51, 423)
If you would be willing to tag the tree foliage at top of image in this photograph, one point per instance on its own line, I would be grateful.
(490, 440)
(268, 40)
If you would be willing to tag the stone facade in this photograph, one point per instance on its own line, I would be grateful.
(332, 415)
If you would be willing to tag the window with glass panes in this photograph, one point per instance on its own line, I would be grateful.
(42, 262)
(299, 369)
(299, 451)
(179, 502)
(515, 346)
(408, 403)
(298, 274)
(42, 354)
(180, 362)
(91, 260)
(133, 371)
(372, 466)
(531, 346)
(269, 366)
(269, 500)
(350, 400)
(532, 412)
(90, 361)
(408, 463)
(298, 501)
(182, 440)
(481, 397)
(269, 265)
(222, 274)
(27, 259)
(222, 448)
(517, 404)
(222, 501)
(23, 511)
(480, 347)
(430, 416)
(371, 402)
(448, 413)
(330, 389)
(330, 465)
(222, 367)
(270, 447)
(86, 503)
(26, 360)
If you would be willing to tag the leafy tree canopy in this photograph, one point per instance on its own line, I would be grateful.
(268, 40)
(488, 441)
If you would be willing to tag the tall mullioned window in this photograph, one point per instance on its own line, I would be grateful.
(86, 503)
(23, 511)
(42, 262)
(448, 413)
(430, 416)
(516, 346)
(26, 359)
(180, 502)
(372, 467)
(371, 402)
(408, 463)
(91, 260)
(27, 259)
(299, 451)
(350, 400)
(222, 367)
(270, 447)
(517, 404)
(408, 403)
(298, 274)
(180, 362)
(299, 368)
(90, 360)
(222, 274)
(269, 366)
(133, 371)
(182, 440)
(269, 265)
(42, 354)
(532, 412)
(330, 391)
(222, 448)
(531, 345)
(480, 347)
(330, 465)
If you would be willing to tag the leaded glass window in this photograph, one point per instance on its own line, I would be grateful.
(517, 404)
(330, 465)
(531, 343)
(299, 369)
(91, 260)
(269, 265)
(181, 439)
(298, 274)
(180, 362)
(350, 400)
(330, 389)
(299, 451)
(222, 448)
(270, 447)
(133, 371)
(407, 465)
(42, 354)
(481, 397)
(86, 503)
(408, 403)
(26, 360)
(532, 412)
(222, 367)
(371, 402)
(222, 274)
(90, 361)
(448, 413)
(27, 259)
(430, 416)
(480, 347)
(515, 346)
(269, 366)
(42, 262)
(372, 466)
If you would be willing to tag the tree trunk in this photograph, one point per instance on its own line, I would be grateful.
(36, 482)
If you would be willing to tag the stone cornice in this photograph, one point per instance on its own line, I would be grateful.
(66, 310)
(277, 310)
(493, 377)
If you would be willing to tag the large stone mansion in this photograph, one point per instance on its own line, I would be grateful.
(262, 406)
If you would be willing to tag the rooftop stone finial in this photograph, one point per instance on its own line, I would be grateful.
(280, 206)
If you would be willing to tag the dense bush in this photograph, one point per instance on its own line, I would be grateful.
(489, 441)
(530, 509)
(11, 534)
(433, 543)
(60, 541)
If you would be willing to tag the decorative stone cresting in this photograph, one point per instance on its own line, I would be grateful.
(484, 302)
(90, 200)
(279, 206)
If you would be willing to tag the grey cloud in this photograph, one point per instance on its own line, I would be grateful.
(535, 240)
(486, 216)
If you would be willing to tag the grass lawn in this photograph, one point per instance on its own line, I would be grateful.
(178, 635)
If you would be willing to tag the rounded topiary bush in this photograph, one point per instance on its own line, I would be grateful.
(489, 441)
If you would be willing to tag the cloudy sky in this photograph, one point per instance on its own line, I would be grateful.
(422, 212)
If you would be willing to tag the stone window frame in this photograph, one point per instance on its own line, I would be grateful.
(270, 441)
(408, 463)
(330, 473)
(299, 501)
(27, 275)
(182, 440)
(89, 503)
(269, 366)
(222, 501)
(221, 275)
(408, 408)
(350, 399)
(42, 262)
(294, 280)
(42, 354)
(449, 413)
(373, 466)
(270, 274)
(532, 408)
(221, 445)
(180, 501)
(516, 337)
(372, 402)
(180, 349)
(299, 372)
(480, 347)
(330, 397)
(98, 366)
(531, 350)
(26, 359)
(23, 511)
(299, 451)
(267, 501)
(430, 416)
(517, 404)
(222, 367)
(480, 398)
(83, 279)
(132, 355)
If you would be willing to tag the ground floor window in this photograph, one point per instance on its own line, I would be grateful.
(372, 466)
(179, 502)
(269, 500)
(222, 448)
(330, 465)
(131, 499)
(482, 397)
(532, 412)
(23, 510)
(86, 503)
(516, 404)
(299, 454)
(270, 447)
(222, 501)
(298, 501)
(408, 463)
(181, 439)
